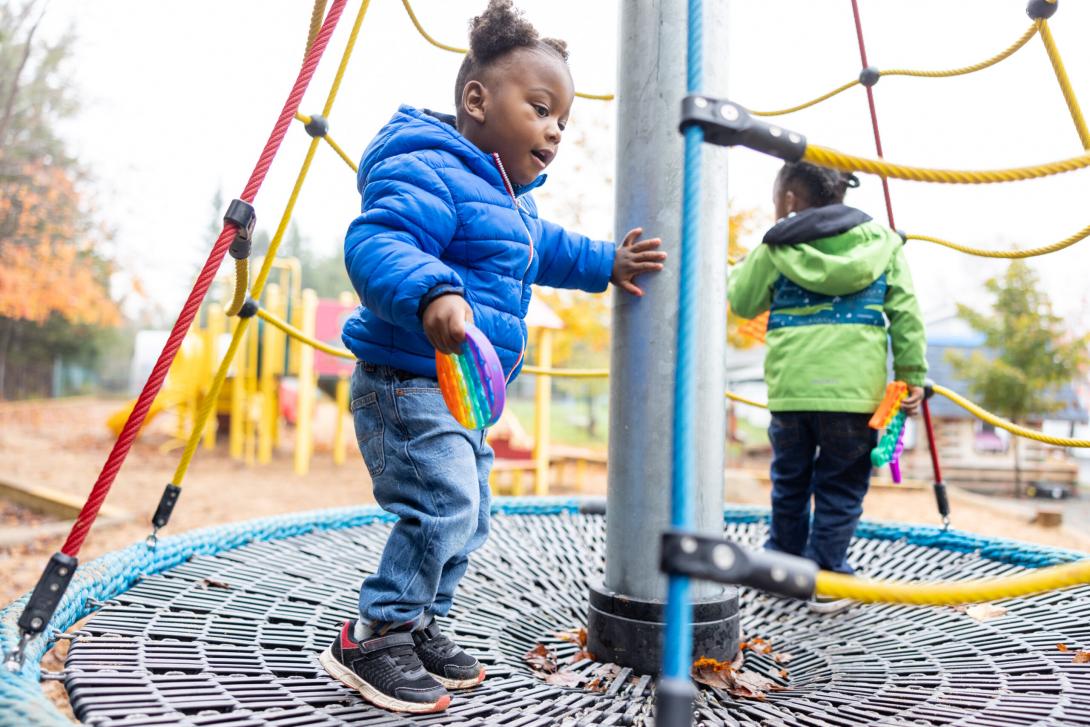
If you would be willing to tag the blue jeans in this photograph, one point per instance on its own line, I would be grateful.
(823, 456)
(432, 473)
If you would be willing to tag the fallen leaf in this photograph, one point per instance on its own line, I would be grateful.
(1082, 657)
(580, 655)
(1062, 647)
(782, 657)
(759, 645)
(595, 685)
(985, 611)
(210, 583)
(563, 679)
(783, 673)
(578, 638)
(541, 659)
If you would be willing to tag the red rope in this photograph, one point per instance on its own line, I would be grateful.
(873, 110)
(931, 441)
(155, 381)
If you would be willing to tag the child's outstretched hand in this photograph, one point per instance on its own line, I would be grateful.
(445, 321)
(633, 258)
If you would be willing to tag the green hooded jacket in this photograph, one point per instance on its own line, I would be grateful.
(838, 287)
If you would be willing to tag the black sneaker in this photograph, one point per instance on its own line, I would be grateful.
(386, 671)
(445, 660)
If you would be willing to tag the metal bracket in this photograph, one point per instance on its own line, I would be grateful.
(725, 123)
(712, 558)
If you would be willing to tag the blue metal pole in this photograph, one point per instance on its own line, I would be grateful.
(675, 687)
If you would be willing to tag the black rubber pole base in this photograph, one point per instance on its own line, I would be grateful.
(629, 631)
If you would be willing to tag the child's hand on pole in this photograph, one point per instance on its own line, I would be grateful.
(635, 257)
(445, 321)
(911, 403)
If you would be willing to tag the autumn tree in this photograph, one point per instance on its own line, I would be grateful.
(53, 283)
(1031, 353)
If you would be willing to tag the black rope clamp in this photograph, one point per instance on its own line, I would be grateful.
(249, 308)
(241, 214)
(869, 76)
(903, 235)
(928, 389)
(725, 123)
(317, 126)
(1042, 9)
(42, 605)
(712, 558)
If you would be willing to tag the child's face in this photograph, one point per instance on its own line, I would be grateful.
(520, 111)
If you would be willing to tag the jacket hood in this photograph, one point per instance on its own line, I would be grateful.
(413, 130)
(833, 250)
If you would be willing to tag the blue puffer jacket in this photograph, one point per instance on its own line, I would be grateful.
(439, 213)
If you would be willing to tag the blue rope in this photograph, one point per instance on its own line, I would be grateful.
(678, 639)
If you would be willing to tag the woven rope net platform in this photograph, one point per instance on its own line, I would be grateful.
(232, 639)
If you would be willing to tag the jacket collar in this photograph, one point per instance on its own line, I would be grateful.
(449, 123)
(815, 223)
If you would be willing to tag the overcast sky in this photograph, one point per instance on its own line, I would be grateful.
(179, 98)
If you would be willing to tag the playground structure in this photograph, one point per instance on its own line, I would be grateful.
(263, 387)
(172, 614)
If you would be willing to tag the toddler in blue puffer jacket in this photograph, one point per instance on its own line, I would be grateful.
(450, 234)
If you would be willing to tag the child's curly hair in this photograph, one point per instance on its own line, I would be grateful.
(493, 34)
(819, 186)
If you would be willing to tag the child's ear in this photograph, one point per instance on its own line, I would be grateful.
(475, 101)
(790, 202)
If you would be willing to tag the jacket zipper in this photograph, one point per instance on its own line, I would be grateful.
(518, 211)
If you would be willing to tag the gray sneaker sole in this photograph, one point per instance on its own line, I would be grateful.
(346, 676)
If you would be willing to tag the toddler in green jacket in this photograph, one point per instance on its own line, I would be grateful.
(840, 296)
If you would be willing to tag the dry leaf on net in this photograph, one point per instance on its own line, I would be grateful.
(1082, 657)
(985, 611)
(540, 658)
(579, 638)
(1062, 647)
(782, 657)
(563, 679)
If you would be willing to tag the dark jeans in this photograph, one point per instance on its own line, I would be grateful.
(823, 456)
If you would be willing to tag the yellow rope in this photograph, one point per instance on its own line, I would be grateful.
(808, 104)
(945, 593)
(456, 49)
(1004, 424)
(567, 373)
(242, 281)
(1008, 254)
(964, 70)
(317, 15)
(1065, 83)
(1007, 53)
(210, 399)
(743, 400)
(304, 338)
(340, 152)
(328, 139)
(826, 157)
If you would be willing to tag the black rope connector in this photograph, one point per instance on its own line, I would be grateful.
(725, 123)
(712, 558)
(869, 76)
(241, 214)
(1041, 9)
(928, 389)
(48, 593)
(249, 308)
(317, 126)
(166, 506)
(903, 235)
